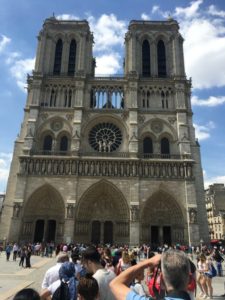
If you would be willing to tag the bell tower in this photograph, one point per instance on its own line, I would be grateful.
(154, 49)
(64, 48)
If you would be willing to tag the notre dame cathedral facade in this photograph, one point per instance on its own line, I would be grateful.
(107, 159)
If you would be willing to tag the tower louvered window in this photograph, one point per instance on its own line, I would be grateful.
(161, 54)
(58, 57)
(72, 58)
(146, 64)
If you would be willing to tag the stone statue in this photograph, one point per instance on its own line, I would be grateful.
(70, 211)
(104, 145)
(16, 211)
(192, 216)
(134, 213)
(100, 146)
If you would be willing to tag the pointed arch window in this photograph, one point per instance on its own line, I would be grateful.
(165, 146)
(63, 144)
(147, 146)
(161, 54)
(72, 58)
(58, 57)
(146, 64)
(47, 144)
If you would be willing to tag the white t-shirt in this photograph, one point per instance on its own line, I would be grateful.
(103, 278)
(53, 287)
(51, 275)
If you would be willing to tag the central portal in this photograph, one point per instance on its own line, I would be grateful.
(102, 215)
(102, 232)
(160, 235)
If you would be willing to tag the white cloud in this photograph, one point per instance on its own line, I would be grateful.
(107, 64)
(108, 32)
(211, 180)
(145, 17)
(20, 69)
(215, 12)
(67, 17)
(4, 41)
(11, 57)
(210, 102)
(202, 132)
(190, 11)
(5, 160)
(204, 49)
(155, 8)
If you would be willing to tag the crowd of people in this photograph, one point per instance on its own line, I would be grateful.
(89, 273)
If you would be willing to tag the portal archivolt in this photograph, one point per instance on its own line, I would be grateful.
(162, 220)
(44, 216)
(102, 215)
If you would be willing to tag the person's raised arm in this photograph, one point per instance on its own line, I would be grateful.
(119, 285)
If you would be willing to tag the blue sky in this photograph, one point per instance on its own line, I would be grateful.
(202, 24)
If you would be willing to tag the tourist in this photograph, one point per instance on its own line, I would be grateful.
(201, 277)
(124, 262)
(28, 253)
(175, 271)
(52, 274)
(87, 288)
(15, 251)
(219, 259)
(107, 259)
(8, 250)
(91, 261)
(78, 267)
(67, 275)
(22, 256)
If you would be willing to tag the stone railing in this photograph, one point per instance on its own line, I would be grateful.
(47, 166)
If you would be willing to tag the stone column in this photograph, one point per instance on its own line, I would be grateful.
(69, 223)
(134, 225)
(65, 56)
(154, 63)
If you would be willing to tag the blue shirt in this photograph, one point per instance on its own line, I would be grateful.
(133, 296)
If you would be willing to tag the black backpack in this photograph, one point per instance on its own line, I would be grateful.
(62, 292)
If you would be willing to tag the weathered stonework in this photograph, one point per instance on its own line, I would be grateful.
(107, 159)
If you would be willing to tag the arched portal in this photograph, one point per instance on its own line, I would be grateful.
(162, 220)
(102, 215)
(43, 216)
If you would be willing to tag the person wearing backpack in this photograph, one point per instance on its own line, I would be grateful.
(65, 287)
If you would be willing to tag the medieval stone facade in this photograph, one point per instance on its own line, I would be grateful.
(107, 159)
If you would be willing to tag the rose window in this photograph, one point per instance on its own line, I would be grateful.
(105, 137)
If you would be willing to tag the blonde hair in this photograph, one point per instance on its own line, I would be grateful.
(126, 257)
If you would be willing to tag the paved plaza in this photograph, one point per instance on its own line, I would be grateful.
(13, 277)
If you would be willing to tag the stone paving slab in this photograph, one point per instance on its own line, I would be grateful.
(14, 278)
